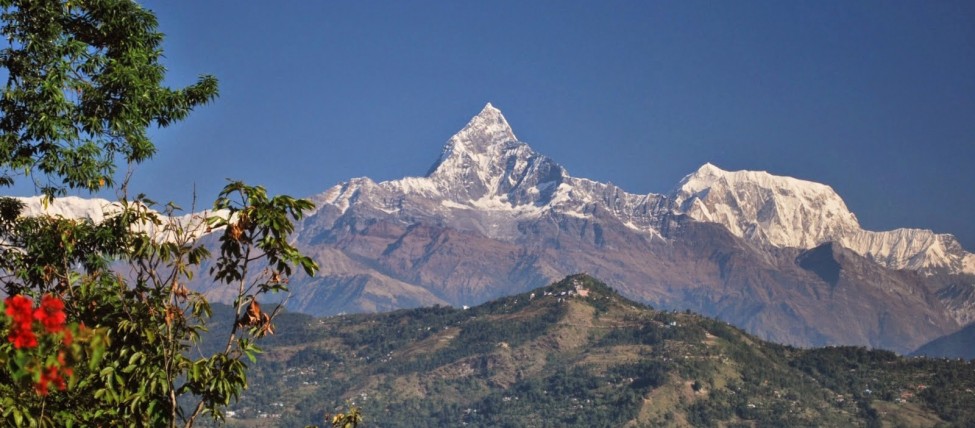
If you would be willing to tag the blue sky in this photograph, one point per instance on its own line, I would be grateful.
(876, 99)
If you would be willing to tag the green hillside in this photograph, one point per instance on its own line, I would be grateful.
(575, 353)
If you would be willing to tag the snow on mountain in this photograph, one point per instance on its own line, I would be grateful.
(788, 212)
(71, 207)
(781, 211)
(484, 166)
(97, 210)
(779, 256)
(913, 249)
(487, 181)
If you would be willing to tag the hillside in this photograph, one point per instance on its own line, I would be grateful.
(960, 344)
(576, 353)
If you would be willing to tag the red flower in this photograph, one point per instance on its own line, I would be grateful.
(51, 314)
(19, 309)
(48, 377)
(22, 338)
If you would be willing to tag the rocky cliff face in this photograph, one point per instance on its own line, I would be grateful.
(781, 257)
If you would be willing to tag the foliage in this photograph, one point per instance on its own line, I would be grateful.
(350, 419)
(149, 319)
(84, 84)
(595, 361)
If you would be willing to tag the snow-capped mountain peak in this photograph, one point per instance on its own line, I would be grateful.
(485, 160)
(776, 210)
(483, 133)
(488, 126)
(708, 174)
(494, 217)
(487, 181)
(789, 212)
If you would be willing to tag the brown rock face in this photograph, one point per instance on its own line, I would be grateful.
(826, 295)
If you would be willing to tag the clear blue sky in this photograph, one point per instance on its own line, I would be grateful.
(876, 99)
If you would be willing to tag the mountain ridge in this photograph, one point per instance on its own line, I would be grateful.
(483, 167)
(492, 217)
(492, 213)
(469, 176)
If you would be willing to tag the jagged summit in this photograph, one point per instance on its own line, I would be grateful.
(490, 109)
(474, 145)
(485, 161)
(488, 128)
(493, 120)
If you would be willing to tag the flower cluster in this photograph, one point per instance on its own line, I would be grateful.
(50, 316)
(54, 374)
(20, 310)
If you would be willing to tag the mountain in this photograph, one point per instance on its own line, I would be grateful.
(576, 353)
(781, 257)
(486, 180)
(96, 210)
(791, 213)
(492, 218)
(960, 344)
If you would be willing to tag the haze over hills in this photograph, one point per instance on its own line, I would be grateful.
(781, 257)
(960, 344)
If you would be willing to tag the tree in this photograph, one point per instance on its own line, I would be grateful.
(83, 86)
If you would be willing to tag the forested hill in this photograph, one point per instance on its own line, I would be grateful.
(576, 353)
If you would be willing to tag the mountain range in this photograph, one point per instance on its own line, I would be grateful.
(781, 257)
